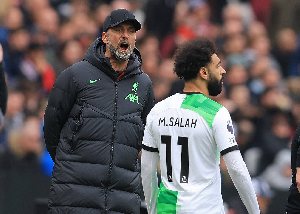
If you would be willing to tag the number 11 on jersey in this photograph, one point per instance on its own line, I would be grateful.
(184, 172)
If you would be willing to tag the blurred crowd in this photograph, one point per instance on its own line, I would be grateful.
(257, 40)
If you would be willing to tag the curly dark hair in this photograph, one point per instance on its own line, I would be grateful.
(191, 56)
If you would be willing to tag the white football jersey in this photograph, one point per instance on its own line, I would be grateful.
(189, 131)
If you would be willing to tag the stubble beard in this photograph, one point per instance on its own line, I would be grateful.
(117, 54)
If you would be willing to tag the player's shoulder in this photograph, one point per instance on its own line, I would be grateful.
(213, 103)
(221, 117)
(201, 104)
(172, 101)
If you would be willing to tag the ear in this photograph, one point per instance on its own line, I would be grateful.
(104, 37)
(203, 72)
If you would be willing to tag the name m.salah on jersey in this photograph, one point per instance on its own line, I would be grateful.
(179, 122)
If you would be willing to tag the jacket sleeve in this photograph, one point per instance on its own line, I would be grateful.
(60, 103)
(149, 104)
(3, 88)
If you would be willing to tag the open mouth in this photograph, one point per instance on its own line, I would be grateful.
(124, 46)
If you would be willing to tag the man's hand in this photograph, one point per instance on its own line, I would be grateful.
(1, 53)
(298, 178)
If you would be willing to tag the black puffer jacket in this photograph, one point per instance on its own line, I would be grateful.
(93, 130)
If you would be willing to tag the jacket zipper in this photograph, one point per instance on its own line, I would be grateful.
(112, 139)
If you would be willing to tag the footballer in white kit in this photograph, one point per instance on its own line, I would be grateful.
(189, 131)
(185, 135)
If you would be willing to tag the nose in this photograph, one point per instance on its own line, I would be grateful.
(223, 71)
(125, 34)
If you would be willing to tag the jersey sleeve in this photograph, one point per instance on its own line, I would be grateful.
(224, 136)
(223, 132)
(149, 164)
(149, 143)
(242, 181)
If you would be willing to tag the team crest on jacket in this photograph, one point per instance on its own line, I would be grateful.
(133, 97)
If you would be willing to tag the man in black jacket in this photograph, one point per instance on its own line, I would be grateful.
(94, 124)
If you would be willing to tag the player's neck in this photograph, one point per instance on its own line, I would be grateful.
(196, 86)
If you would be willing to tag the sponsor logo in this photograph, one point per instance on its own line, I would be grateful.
(230, 127)
(93, 81)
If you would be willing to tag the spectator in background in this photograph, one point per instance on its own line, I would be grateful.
(256, 72)
(199, 13)
(102, 10)
(36, 69)
(283, 15)
(159, 17)
(284, 48)
(237, 75)
(236, 51)
(17, 43)
(261, 47)
(239, 11)
(164, 79)
(83, 24)
(46, 20)
(148, 45)
(280, 169)
(183, 30)
(12, 20)
(273, 101)
(33, 94)
(276, 138)
(256, 29)
(244, 107)
(68, 53)
(14, 117)
(244, 136)
(295, 61)
(67, 31)
(24, 148)
(150, 65)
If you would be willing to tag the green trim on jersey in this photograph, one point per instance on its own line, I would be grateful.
(166, 201)
(202, 105)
